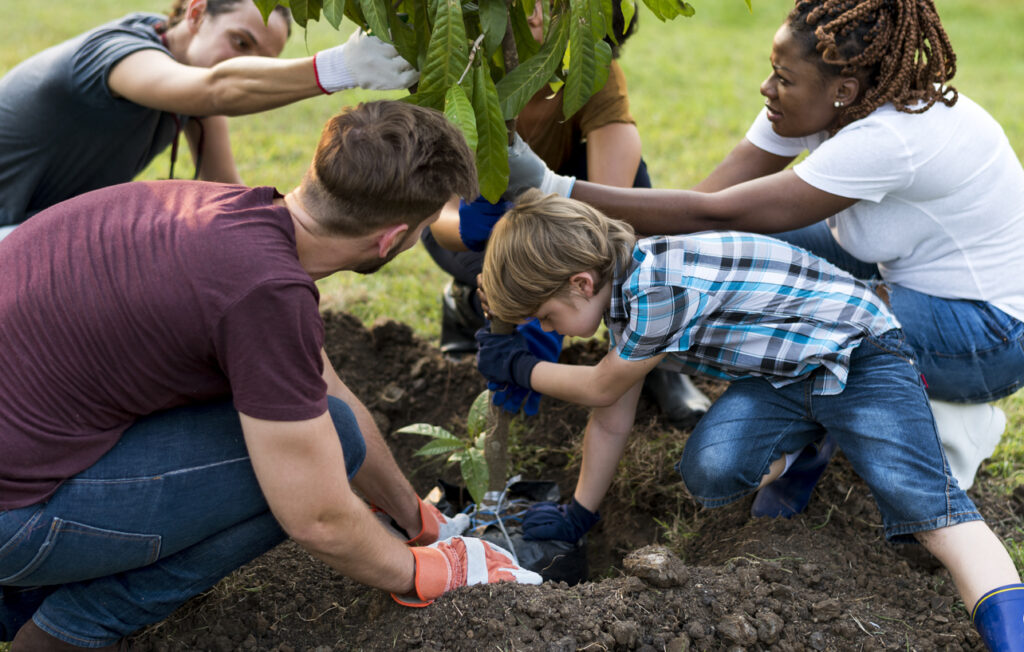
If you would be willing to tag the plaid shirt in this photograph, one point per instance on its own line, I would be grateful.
(731, 305)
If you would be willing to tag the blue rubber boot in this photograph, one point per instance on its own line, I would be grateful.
(999, 618)
(789, 494)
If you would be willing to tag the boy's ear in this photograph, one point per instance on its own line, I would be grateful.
(582, 282)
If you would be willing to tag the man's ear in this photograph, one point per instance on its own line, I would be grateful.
(390, 239)
(582, 282)
(194, 13)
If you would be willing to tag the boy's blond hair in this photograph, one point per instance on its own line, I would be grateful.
(539, 244)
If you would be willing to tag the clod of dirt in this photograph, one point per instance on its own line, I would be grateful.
(656, 565)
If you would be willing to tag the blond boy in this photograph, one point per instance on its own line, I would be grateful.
(809, 351)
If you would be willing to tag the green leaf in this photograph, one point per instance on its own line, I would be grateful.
(300, 11)
(441, 447)
(493, 19)
(421, 23)
(492, 136)
(447, 55)
(403, 36)
(355, 14)
(526, 45)
(579, 81)
(668, 9)
(425, 429)
(476, 422)
(599, 10)
(266, 8)
(334, 12)
(603, 60)
(376, 14)
(459, 110)
(475, 474)
(517, 87)
(432, 100)
(628, 11)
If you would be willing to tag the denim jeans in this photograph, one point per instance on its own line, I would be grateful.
(969, 351)
(163, 516)
(882, 422)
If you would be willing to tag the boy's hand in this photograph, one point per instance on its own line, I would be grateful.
(477, 220)
(504, 359)
(527, 170)
(566, 522)
(461, 561)
(512, 398)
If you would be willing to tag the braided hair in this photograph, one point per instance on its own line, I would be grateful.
(897, 48)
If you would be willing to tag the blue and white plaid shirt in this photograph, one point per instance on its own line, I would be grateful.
(730, 305)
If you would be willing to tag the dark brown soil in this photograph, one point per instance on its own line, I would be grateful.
(825, 580)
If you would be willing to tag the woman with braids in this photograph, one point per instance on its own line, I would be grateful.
(908, 183)
(93, 111)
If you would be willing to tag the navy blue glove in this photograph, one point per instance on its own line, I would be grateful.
(512, 398)
(504, 359)
(543, 344)
(477, 220)
(566, 522)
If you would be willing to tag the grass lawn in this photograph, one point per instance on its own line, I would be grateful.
(694, 90)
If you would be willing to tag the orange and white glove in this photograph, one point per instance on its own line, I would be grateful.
(461, 561)
(437, 526)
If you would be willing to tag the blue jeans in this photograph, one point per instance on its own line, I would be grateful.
(163, 516)
(969, 351)
(881, 421)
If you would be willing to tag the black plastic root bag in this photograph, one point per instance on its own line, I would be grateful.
(556, 561)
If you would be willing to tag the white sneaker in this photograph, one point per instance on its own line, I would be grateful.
(970, 433)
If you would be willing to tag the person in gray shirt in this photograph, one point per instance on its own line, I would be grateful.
(93, 111)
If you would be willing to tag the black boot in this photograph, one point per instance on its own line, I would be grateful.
(32, 639)
(461, 317)
(17, 604)
(679, 399)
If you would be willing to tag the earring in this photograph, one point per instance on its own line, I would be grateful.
(838, 104)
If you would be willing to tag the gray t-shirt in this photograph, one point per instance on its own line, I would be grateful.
(63, 133)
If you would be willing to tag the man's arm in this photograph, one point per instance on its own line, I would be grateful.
(216, 162)
(236, 86)
(379, 479)
(301, 471)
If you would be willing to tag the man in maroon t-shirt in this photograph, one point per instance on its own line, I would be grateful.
(167, 412)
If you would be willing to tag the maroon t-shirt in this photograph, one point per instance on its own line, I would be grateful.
(143, 297)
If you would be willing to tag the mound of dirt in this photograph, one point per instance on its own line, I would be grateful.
(825, 580)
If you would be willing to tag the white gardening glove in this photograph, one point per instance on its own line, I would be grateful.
(461, 561)
(527, 170)
(364, 61)
(437, 526)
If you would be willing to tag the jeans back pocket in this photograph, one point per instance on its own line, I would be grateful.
(72, 552)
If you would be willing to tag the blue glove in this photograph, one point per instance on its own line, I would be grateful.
(477, 220)
(543, 344)
(504, 359)
(513, 398)
(566, 522)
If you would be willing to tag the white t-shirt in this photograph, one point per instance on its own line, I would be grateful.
(942, 198)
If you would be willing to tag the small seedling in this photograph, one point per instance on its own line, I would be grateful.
(467, 451)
